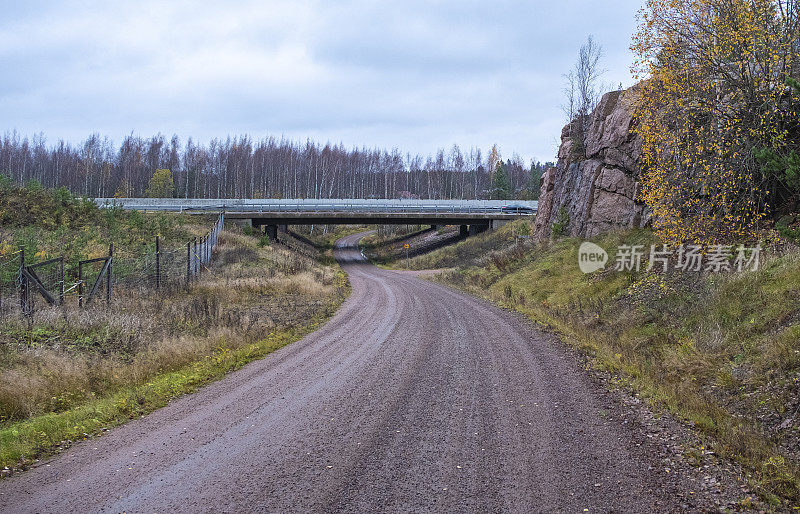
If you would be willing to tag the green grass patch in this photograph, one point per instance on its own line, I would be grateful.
(722, 352)
(68, 372)
(52, 223)
(475, 250)
(21, 442)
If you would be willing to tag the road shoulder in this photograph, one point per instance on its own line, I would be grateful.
(695, 475)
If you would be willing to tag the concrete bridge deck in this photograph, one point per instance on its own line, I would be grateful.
(471, 215)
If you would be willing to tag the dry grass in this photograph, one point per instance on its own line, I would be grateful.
(722, 352)
(69, 356)
(476, 250)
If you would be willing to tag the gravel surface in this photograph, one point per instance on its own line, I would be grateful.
(413, 397)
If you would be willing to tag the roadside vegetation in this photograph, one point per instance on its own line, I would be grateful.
(474, 250)
(386, 247)
(321, 238)
(67, 373)
(718, 116)
(53, 222)
(720, 351)
(390, 234)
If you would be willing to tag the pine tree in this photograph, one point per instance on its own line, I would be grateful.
(534, 179)
(501, 186)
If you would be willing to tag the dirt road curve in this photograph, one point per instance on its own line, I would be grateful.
(412, 398)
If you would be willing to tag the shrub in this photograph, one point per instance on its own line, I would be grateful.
(559, 228)
(5, 182)
(718, 123)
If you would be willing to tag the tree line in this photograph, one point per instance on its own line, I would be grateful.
(242, 167)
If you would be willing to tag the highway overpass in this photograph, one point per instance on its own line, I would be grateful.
(472, 215)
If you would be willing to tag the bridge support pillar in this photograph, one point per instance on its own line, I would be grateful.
(494, 224)
(283, 228)
(271, 231)
(463, 230)
(476, 229)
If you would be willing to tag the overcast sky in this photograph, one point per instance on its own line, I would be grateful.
(401, 74)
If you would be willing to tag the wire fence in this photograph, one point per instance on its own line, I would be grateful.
(9, 281)
(26, 284)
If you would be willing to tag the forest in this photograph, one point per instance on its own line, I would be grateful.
(242, 167)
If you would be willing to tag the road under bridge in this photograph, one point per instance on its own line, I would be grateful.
(472, 216)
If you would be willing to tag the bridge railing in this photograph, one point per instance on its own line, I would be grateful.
(327, 206)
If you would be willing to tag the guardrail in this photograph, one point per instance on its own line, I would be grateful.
(336, 206)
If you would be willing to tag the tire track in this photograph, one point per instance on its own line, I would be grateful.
(413, 397)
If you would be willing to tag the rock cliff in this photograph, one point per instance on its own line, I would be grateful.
(593, 190)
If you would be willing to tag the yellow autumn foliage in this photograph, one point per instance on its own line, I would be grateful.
(6, 249)
(715, 93)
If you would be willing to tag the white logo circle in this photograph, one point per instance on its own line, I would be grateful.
(591, 257)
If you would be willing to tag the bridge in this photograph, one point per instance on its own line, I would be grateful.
(472, 216)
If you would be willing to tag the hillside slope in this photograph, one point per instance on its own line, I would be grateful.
(67, 372)
(721, 351)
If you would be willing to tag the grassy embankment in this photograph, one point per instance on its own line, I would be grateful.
(385, 248)
(323, 237)
(70, 373)
(720, 351)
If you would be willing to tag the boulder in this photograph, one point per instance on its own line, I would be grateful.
(597, 190)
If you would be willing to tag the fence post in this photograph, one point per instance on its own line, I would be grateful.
(21, 279)
(24, 298)
(195, 267)
(61, 275)
(109, 272)
(188, 263)
(80, 284)
(158, 263)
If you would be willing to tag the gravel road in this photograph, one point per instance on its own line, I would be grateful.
(413, 397)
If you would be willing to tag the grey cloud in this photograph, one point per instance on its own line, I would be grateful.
(416, 75)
